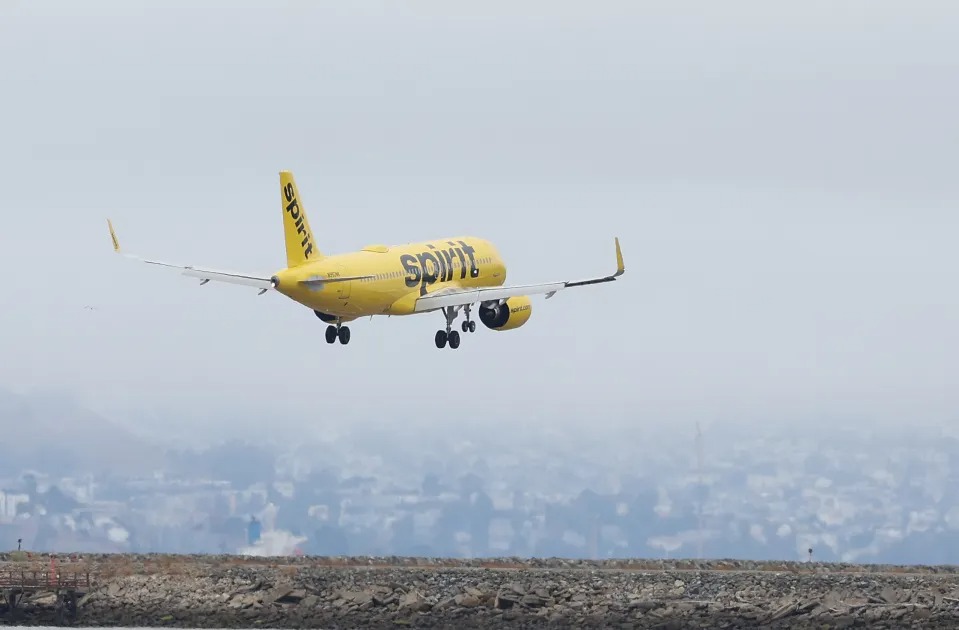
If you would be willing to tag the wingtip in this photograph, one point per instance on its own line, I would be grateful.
(113, 236)
(620, 266)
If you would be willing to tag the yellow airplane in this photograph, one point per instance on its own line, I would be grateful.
(446, 274)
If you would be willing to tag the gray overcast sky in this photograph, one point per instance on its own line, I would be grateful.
(782, 178)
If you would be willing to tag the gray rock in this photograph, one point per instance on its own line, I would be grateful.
(221, 591)
(467, 600)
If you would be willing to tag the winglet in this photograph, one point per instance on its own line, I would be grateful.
(620, 266)
(113, 236)
(620, 270)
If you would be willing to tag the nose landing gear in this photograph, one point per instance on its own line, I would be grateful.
(468, 325)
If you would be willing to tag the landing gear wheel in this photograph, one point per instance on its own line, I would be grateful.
(454, 338)
(344, 335)
(330, 334)
(466, 326)
(472, 327)
(441, 338)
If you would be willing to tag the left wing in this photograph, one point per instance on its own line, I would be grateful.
(262, 283)
(460, 297)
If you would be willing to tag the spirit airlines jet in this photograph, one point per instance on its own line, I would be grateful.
(446, 274)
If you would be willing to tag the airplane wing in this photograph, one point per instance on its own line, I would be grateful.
(260, 282)
(461, 297)
(317, 282)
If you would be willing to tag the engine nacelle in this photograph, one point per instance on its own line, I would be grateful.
(511, 314)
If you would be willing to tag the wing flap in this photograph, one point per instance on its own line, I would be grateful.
(437, 300)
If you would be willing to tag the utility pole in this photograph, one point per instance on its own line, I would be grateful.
(699, 490)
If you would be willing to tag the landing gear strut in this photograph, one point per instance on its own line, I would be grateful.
(339, 331)
(448, 335)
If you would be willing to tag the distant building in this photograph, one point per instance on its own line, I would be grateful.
(253, 531)
(8, 505)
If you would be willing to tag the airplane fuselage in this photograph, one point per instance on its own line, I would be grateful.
(399, 274)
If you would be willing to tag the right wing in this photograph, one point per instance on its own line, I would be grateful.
(445, 298)
(262, 283)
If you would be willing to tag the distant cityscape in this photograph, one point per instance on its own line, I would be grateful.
(768, 491)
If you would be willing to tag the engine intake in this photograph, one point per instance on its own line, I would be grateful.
(511, 314)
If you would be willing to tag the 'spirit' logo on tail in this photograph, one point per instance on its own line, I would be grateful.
(293, 207)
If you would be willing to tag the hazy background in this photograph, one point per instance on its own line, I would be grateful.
(782, 178)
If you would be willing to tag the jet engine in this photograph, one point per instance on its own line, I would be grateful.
(513, 313)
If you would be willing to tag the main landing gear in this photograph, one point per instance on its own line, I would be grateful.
(449, 335)
(338, 332)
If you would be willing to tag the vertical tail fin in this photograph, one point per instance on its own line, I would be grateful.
(300, 246)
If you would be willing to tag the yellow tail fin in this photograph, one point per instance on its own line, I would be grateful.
(300, 246)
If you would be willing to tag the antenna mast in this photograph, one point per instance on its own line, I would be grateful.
(699, 489)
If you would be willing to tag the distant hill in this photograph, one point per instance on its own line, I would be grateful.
(55, 435)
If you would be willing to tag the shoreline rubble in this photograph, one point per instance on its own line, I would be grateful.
(322, 592)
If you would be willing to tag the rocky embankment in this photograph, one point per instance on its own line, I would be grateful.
(224, 592)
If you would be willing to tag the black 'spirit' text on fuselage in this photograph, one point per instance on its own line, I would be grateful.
(437, 265)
